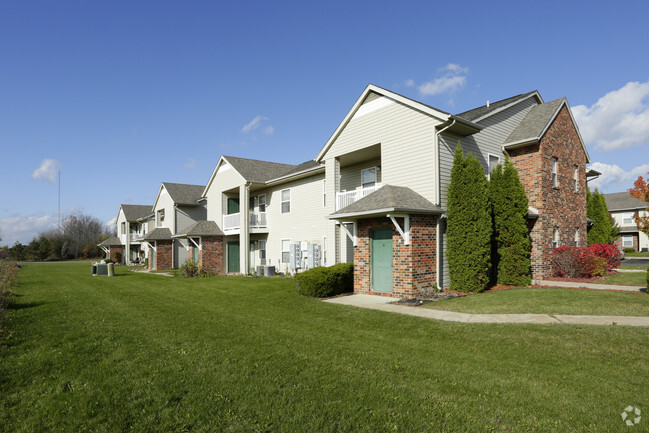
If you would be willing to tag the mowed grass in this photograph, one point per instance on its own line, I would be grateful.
(625, 279)
(550, 301)
(147, 353)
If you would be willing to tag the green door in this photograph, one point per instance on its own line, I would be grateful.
(233, 205)
(381, 260)
(233, 257)
(195, 251)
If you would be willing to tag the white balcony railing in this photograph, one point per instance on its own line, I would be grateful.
(345, 198)
(133, 237)
(232, 222)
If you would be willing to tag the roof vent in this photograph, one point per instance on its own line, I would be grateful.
(487, 103)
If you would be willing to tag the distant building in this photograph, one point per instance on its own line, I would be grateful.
(622, 208)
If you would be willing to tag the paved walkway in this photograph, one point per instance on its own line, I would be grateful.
(384, 303)
(551, 283)
(146, 271)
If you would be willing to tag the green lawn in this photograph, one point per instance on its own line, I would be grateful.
(147, 353)
(550, 301)
(625, 279)
(637, 254)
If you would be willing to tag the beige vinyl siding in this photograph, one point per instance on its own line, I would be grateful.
(216, 200)
(350, 176)
(188, 215)
(406, 137)
(371, 97)
(306, 222)
(165, 202)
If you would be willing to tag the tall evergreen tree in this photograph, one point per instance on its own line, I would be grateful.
(469, 225)
(604, 229)
(511, 258)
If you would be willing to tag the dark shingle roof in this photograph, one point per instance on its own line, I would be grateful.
(110, 242)
(389, 198)
(158, 234)
(201, 228)
(622, 201)
(184, 194)
(535, 122)
(254, 170)
(476, 113)
(134, 212)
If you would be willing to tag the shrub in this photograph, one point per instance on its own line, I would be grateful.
(608, 252)
(572, 262)
(8, 274)
(599, 266)
(117, 257)
(322, 282)
(647, 278)
(629, 250)
(189, 269)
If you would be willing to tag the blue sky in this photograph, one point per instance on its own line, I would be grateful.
(121, 96)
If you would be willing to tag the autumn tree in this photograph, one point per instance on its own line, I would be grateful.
(640, 191)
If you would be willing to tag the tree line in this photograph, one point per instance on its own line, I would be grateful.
(77, 237)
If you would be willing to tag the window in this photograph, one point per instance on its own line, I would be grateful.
(368, 177)
(555, 237)
(577, 236)
(493, 162)
(123, 228)
(627, 219)
(555, 180)
(324, 251)
(575, 178)
(286, 250)
(251, 204)
(262, 249)
(160, 217)
(261, 200)
(324, 193)
(286, 200)
(627, 241)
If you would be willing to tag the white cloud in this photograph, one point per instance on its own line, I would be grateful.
(23, 228)
(453, 78)
(268, 130)
(409, 82)
(111, 223)
(618, 120)
(48, 170)
(253, 124)
(190, 164)
(614, 178)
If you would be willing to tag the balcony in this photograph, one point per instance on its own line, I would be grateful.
(133, 237)
(344, 199)
(257, 220)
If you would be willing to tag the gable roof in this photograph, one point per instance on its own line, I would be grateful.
(427, 109)
(158, 234)
(183, 193)
(133, 212)
(480, 113)
(200, 228)
(537, 121)
(623, 201)
(257, 171)
(388, 199)
(110, 242)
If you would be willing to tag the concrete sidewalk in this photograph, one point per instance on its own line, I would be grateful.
(551, 283)
(384, 303)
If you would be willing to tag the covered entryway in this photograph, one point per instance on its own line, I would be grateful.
(233, 257)
(381, 260)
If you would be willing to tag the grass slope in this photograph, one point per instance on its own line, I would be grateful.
(148, 353)
(550, 301)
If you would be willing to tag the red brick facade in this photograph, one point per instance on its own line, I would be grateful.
(414, 265)
(559, 206)
(116, 249)
(163, 256)
(636, 241)
(210, 256)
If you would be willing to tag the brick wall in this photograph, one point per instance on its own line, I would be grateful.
(116, 249)
(560, 206)
(164, 255)
(210, 257)
(413, 265)
(636, 243)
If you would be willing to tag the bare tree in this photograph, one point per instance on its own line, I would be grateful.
(81, 231)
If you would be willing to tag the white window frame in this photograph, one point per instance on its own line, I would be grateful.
(324, 192)
(628, 216)
(555, 170)
(376, 177)
(489, 167)
(287, 251)
(575, 178)
(323, 255)
(576, 236)
(282, 201)
(262, 248)
(624, 239)
(123, 228)
(159, 217)
(261, 202)
(555, 237)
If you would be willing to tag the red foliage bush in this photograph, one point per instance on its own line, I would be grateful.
(608, 252)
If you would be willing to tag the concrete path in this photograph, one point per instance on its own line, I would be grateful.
(146, 271)
(384, 303)
(551, 283)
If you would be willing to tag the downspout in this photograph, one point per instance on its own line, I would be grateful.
(438, 257)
